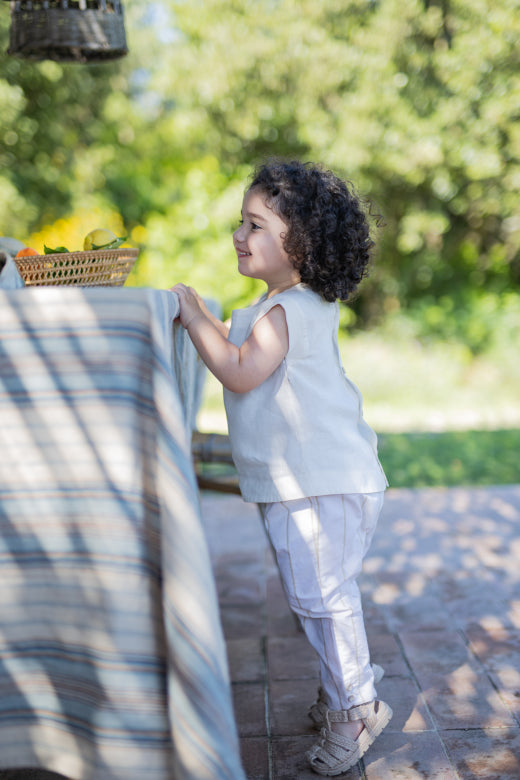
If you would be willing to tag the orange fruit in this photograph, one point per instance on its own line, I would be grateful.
(26, 251)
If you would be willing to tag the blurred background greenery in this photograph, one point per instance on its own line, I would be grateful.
(417, 103)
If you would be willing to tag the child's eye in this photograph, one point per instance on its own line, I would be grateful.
(253, 225)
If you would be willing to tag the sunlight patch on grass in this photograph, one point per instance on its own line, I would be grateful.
(408, 386)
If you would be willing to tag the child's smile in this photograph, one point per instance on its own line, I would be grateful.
(259, 245)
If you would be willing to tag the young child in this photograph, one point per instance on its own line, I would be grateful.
(300, 445)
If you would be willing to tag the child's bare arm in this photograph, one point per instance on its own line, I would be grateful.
(239, 369)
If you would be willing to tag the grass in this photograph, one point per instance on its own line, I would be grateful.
(451, 458)
(443, 416)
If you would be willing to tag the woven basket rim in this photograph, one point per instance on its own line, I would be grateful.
(94, 254)
(93, 268)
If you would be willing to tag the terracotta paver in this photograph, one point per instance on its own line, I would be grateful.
(480, 753)
(441, 591)
(408, 757)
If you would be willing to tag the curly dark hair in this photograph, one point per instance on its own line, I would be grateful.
(328, 237)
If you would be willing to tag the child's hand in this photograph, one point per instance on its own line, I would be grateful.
(189, 302)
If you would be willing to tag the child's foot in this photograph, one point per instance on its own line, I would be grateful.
(317, 710)
(339, 750)
(352, 729)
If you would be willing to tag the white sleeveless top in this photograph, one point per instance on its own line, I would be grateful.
(301, 432)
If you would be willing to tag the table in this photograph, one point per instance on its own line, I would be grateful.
(112, 658)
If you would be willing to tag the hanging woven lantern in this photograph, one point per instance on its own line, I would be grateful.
(67, 30)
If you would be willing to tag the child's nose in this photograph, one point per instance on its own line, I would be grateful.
(238, 235)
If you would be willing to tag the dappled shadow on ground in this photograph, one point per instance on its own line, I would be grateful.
(442, 581)
(441, 590)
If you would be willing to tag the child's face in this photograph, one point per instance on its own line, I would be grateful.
(259, 244)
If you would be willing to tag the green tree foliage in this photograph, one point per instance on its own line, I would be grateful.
(417, 103)
(50, 115)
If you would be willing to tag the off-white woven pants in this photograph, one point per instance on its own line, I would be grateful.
(320, 544)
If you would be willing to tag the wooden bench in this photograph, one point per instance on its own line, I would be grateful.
(213, 463)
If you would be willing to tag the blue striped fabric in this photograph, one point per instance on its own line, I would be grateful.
(112, 659)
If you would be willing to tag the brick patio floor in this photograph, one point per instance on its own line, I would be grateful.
(441, 589)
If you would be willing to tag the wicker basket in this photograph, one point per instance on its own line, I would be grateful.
(67, 30)
(100, 268)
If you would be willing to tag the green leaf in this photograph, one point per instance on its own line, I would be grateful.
(59, 250)
(112, 245)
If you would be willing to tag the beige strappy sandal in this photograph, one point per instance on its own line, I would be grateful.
(334, 753)
(318, 709)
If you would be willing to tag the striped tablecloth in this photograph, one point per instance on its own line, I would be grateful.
(112, 659)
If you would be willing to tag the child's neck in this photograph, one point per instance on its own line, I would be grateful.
(279, 288)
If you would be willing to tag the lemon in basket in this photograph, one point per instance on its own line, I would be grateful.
(101, 239)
